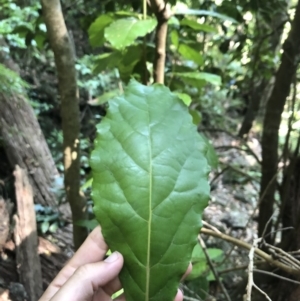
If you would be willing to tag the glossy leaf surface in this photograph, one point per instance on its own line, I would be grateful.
(150, 188)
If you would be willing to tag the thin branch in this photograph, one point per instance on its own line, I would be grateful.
(248, 150)
(262, 292)
(275, 275)
(192, 292)
(213, 268)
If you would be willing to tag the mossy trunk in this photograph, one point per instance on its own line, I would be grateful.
(24, 142)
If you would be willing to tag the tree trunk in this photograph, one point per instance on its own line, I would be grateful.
(67, 80)
(274, 109)
(24, 142)
(259, 83)
(162, 14)
(26, 239)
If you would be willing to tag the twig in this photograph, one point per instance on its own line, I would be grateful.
(248, 150)
(267, 224)
(213, 268)
(211, 227)
(250, 284)
(241, 267)
(268, 258)
(250, 272)
(192, 292)
(262, 292)
(281, 254)
(190, 298)
(275, 275)
(252, 215)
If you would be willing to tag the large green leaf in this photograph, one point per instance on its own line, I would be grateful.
(123, 32)
(150, 188)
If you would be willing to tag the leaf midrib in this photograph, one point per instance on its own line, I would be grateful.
(150, 213)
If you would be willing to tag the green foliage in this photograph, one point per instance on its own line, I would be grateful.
(123, 32)
(96, 30)
(198, 280)
(11, 82)
(200, 12)
(19, 25)
(196, 78)
(47, 219)
(190, 54)
(200, 265)
(105, 97)
(149, 188)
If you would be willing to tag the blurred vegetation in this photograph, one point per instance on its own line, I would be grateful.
(221, 60)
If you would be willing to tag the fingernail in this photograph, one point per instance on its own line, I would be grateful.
(113, 257)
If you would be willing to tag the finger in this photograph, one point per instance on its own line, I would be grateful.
(189, 269)
(179, 296)
(108, 290)
(93, 249)
(88, 278)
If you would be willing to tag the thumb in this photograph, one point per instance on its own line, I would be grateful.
(88, 278)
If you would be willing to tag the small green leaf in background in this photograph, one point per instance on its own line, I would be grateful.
(123, 32)
(104, 97)
(87, 184)
(190, 54)
(96, 30)
(45, 227)
(211, 154)
(174, 21)
(175, 38)
(107, 61)
(198, 79)
(53, 228)
(186, 99)
(150, 187)
(89, 224)
(197, 117)
(199, 12)
(199, 269)
(197, 26)
(200, 266)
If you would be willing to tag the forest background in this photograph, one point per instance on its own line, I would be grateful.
(233, 63)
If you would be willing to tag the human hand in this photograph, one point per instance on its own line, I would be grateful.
(88, 277)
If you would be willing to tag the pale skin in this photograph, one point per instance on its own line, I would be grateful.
(88, 277)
